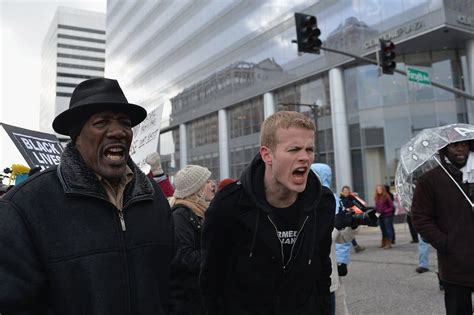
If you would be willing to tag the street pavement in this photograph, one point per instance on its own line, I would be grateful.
(385, 282)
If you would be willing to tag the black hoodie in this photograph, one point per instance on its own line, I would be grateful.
(242, 267)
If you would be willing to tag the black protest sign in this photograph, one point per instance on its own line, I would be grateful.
(37, 148)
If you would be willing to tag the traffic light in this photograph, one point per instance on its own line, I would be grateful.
(387, 56)
(307, 33)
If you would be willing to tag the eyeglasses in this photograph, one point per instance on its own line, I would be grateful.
(461, 144)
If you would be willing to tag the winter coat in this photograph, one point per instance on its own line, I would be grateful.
(185, 295)
(243, 269)
(64, 251)
(385, 207)
(445, 219)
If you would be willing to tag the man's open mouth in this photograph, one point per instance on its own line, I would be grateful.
(300, 171)
(115, 153)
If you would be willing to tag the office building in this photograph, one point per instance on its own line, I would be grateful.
(73, 51)
(220, 67)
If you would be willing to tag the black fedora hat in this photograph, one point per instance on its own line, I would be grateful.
(93, 96)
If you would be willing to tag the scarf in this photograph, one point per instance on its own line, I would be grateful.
(196, 203)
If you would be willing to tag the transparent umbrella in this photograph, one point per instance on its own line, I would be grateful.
(420, 154)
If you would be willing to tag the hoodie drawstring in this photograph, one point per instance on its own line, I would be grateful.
(254, 237)
(313, 241)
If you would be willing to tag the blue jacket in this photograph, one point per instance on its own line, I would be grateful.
(343, 250)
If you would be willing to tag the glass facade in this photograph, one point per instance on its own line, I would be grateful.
(227, 55)
(384, 112)
(243, 121)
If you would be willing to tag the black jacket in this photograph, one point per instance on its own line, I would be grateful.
(63, 250)
(185, 296)
(242, 270)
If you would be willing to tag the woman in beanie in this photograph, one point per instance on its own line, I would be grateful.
(188, 205)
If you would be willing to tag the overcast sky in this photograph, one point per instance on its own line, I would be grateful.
(23, 26)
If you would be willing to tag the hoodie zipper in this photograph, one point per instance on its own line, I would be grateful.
(292, 246)
(122, 219)
(297, 236)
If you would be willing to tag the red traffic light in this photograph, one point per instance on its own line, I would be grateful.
(387, 56)
(388, 46)
(307, 33)
(309, 22)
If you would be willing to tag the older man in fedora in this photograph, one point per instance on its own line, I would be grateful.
(92, 235)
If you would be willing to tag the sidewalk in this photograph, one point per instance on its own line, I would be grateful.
(385, 282)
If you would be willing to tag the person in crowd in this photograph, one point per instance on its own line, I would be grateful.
(423, 256)
(384, 206)
(344, 236)
(188, 207)
(156, 173)
(224, 182)
(387, 189)
(401, 210)
(90, 235)
(413, 234)
(351, 200)
(267, 237)
(443, 216)
(210, 190)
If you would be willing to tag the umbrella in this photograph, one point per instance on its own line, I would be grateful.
(420, 154)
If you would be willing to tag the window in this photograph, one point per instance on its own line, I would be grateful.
(85, 39)
(240, 157)
(245, 118)
(81, 48)
(83, 29)
(203, 131)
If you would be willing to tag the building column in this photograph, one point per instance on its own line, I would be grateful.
(183, 146)
(340, 129)
(470, 76)
(223, 144)
(268, 104)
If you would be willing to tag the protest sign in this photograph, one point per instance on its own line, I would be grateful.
(145, 138)
(37, 148)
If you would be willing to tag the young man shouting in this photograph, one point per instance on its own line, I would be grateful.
(267, 237)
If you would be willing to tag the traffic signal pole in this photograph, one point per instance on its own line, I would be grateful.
(307, 34)
(433, 83)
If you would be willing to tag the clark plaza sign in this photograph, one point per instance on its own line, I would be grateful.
(394, 34)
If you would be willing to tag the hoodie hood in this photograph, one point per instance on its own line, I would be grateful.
(324, 173)
(252, 182)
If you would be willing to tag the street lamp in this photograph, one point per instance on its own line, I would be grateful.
(314, 108)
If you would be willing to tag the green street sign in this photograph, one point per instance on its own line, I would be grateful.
(418, 76)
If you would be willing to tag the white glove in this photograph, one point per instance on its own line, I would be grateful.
(155, 162)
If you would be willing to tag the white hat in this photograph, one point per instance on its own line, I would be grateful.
(189, 180)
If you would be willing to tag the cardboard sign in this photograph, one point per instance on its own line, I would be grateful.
(145, 138)
(37, 148)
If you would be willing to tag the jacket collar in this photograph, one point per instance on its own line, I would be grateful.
(77, 178)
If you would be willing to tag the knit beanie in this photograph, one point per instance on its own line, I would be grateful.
(189, 180)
